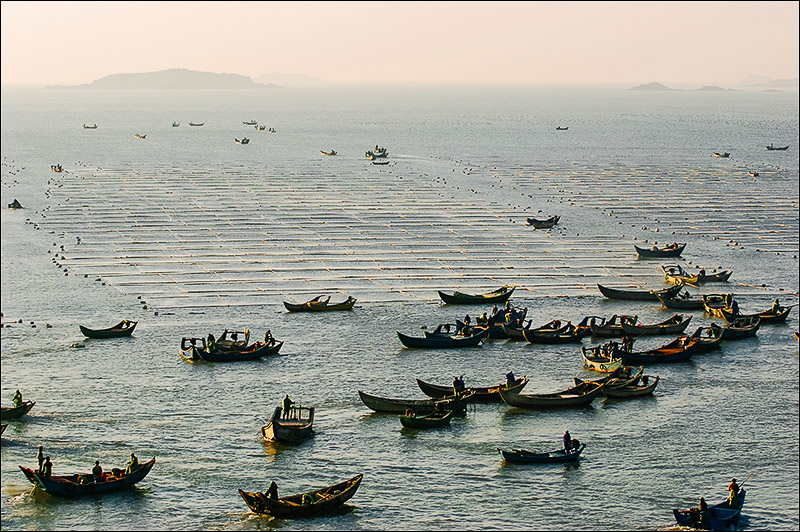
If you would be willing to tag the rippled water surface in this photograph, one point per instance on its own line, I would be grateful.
(190, 233)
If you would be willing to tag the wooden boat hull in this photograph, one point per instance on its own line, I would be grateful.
(573, 337)
(117, 331)
(679, 278)
(257, 351)
(602, 364)
(316, 306)
(720, 516)
(577, 396)
(739, 329)
(500, 295)
(775, 148)
(326, 501)
(422, 407)
(543, 224)
(14, 412)
(436, 341)
(288, 431)
(646, 253)
(430, 421)
(637, 294)
(671, 352)
(630, 390)
(487, 394)
(765, 317)
(521, 456)
(667, 327)
(69, 486)
(681, 304)
(719, 277)
(714, 304)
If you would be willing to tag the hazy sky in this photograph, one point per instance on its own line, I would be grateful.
(451, 42)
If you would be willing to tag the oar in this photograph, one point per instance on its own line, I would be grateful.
(745, 480)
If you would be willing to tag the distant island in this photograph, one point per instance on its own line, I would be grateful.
(173, 78)
(711, 88)
(655, 86)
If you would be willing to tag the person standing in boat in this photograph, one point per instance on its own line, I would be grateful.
(733, 494)
(287, 406)
(17, 399)
(40, 457)
(776, 307)
(567, 441)
(46, 468)
(734, 308)
(510, 379)
(272, 492)
(133, 465)
(97, 472)
(268, 339)
(210, 343)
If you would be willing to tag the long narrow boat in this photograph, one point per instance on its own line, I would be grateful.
(80, 484)
(676, 275)
(14, 412)
(739, 328)
(715, 303)
(196, 125)
(767, 316)
(319, 305)
(709, 337)
(422, 407)
(637, 294)
(482, 394)
(644, 387)
(252, 352)
(577, 396)
(674, 325)
(723, 154)
(601, 358)
(677, 350)
(328, 153)
(560, 456)
(323, 501)
(516, 332)
(291, 430)
(718, 277)
(432, 420)
(500, 295)
(94, 126)
(543, 224)
(720, 516)
(611, 327)
(123, 328)
(682, 301)
(655, 252)
(776, 148)
(443, 341)
(566, 335)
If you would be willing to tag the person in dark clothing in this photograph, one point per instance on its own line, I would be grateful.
(97, 472)
(567, 441)
(47, 468)
(40, 457)
(272, 492)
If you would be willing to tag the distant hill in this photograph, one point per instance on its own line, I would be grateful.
(710, 88)
(287, 79)
(655, 86)
(173, 78)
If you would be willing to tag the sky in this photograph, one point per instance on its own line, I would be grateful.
(407, 42)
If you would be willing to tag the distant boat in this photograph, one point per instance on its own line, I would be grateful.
(332, 152)
(250, 122)
(176, 124)
(15, 205)
(193, 124)
(260, 128)
(94, 126)
(770, 147)
(753, 174)
(382, 162)
(559, 128)
(244, 140)
(138, 136)
(725, 154)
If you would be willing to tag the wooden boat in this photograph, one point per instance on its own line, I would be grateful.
(674, 250)
(559, 456)
(718, 277)
(481, 394)
(383, 162)
(723, 154)
(775, 148)
(230, 340)
(720, 516)
(568, 334)
(739, 328)
(715, 303)
(643, 387)
(422, 407)
(767, 316)
(243, 140)
(543, 224)
(682, 301)
(371, 156)
(123, 328)
(80, 484)
(611, 327)
(15, 204)
(637, 294)
(500, 295)
(291, 430)
(250, 122)
(325, 501)
(516, 332)
(14, 412)
(260, 128)
(432, 420)
(443, 341)
(676, 275)
(138, 136)
(496, 323)
(603, 358)
(176, 124)
(674, 325)
(320, 305)
(196, 125)
(709, 337)
(94, 126)
(196, 349)
(577, 396)
(753, 174)
(622, 376)
(679, 349)
(330, 153)
(559, 128)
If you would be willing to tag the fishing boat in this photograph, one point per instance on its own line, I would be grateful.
(500, 295)
(250, 122)
(543, 224)
(718, 277)
(443, 341)
(176, 124)
(80, 484)
(723, 154)
(14, 412)
(94, 126)
(308, 504)
(329, 153)
(679, 349)
(719, 517)
(580, 395)
(676, 275)
(15, 204)
(603, 358)
(559, 128)
(568, 334)
(123, 328)
(673, 250)
(515, 331)
(767, 316)
(643, 386)
(320, 304)
(682, 301)
(230, 340)
(382, 162)
(559, 456)
(260, 128)
(196, 349)
(243, 140)
(637, 294)
(432, 420)
(715, 303)
(196, 125)
(776, 148)
(674, 325)
(612, 327)
(710, 339)
(371, 155)
(422, 407)
(739, 328)
(138, 136)
(481, 394)
(291, 429)
(753, 174)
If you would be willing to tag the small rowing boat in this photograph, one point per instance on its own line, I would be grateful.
(560, 456)
(308, 504)
(123, 328)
